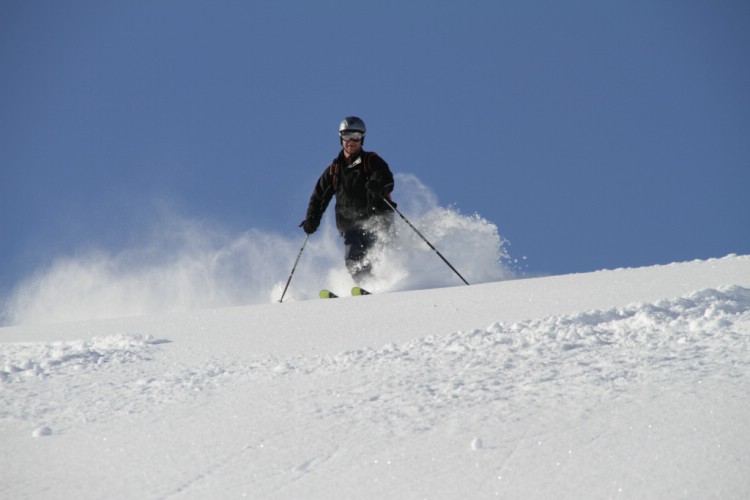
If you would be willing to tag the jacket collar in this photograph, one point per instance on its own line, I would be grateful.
(350, 162)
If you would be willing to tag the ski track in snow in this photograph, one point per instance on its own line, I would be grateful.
(404, 388)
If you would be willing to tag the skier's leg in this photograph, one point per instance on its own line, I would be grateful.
(357, 242)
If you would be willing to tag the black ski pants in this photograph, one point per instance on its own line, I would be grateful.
(357, 242)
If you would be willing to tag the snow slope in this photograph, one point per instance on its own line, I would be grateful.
(630, 383)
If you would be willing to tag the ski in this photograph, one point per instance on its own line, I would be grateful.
(356, 291)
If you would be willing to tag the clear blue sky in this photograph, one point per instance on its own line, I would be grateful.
(594, 134)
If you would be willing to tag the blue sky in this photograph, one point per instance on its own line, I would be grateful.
(593, 134)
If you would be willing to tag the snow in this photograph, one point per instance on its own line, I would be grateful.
(184, 264)
(627, 383)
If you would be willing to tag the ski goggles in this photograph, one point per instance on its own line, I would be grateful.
(352, 136)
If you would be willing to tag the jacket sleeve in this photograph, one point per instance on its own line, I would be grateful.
(381, 173)
(321, 196)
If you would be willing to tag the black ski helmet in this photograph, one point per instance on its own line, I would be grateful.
(353, 124)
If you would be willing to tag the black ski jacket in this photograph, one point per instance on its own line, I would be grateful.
(346, 179)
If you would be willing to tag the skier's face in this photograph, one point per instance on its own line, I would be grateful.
(352, 143)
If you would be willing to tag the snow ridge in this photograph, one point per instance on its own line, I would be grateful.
(540, 359)
(48, 359)
(514, 361)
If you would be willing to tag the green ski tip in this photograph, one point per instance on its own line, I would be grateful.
(359, 291)
(327, 294)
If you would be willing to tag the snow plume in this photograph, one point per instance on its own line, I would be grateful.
(186, 264)
(181, 265)
(402, 260)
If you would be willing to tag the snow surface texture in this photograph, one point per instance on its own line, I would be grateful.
(182, 265)
(630, 383)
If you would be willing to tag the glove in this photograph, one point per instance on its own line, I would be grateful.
(376, 187)
(310, 225)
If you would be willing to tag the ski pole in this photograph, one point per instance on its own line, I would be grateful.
(423, 238)
(293, 268)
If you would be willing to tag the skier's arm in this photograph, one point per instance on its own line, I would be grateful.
(381, 179)
(319, 200)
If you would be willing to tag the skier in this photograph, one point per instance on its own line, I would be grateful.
(360, 180)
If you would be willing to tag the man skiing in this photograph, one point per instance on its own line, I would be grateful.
(361, 181)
